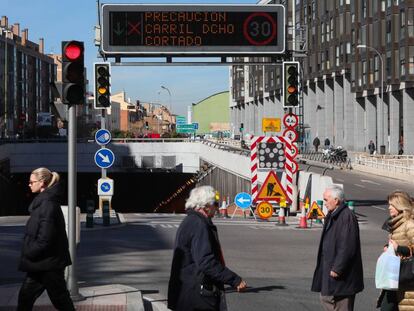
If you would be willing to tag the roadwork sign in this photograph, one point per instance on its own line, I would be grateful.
(265, 210)
(271, 125)
(315, 212)
(272, 189)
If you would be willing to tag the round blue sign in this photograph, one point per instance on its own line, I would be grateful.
(243, 200)
(102, 137)
(105, 187)
(104, 158)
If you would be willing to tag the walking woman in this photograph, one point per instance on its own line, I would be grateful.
(198, 271)
(400, 225)
(45, 251)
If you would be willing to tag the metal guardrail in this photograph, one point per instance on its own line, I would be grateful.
(90, 140)
(226, 147)
(333, 160)
(397, 164)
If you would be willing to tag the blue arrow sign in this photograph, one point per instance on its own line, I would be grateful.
(102, 137)
(195, 126)
(105, 187)
(104, 158)
(243, 200)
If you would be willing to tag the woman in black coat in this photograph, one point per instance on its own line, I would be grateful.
(45, 251)
(198, 271)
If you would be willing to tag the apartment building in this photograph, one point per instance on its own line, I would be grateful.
(25, 75)
(357, 60)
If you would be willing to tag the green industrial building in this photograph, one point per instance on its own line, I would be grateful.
(213, 114)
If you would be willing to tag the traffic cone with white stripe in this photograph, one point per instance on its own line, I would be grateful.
(303, 223)
(282, 218)
(223, 209)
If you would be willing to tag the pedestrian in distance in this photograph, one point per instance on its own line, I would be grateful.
(45, 251)
(327, 143)
(400, 226)
(316, 143)
(338, 275)
(198, 271)
(371, 147)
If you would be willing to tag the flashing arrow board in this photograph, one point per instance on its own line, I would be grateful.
(102, 137)
(104, 158)
(193, 29)
(243, 200)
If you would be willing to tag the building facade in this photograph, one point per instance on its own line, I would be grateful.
(26, 73)
(357, 62)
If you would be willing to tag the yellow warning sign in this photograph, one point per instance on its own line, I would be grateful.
(271, 189)
(271, 124)
(265, 210)
(315, 212)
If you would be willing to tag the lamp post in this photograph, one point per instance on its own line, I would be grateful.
(380, 141)
(169, 93)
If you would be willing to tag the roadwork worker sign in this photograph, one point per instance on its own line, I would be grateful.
(272, 189)
(315, 212)
(271, 124)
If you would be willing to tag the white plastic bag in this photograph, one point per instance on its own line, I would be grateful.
(387, 271)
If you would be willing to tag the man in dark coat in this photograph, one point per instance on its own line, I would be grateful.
(198, 271)
(45, 251)
(316, 143)
(338, 275)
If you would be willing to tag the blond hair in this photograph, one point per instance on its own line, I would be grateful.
(402, 201)
(43, 174)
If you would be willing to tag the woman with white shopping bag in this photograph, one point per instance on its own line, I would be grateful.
(400, 225)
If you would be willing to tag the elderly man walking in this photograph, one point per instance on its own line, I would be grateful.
(338, 275)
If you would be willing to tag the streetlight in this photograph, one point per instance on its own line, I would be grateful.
(380, 141)
(169, 93)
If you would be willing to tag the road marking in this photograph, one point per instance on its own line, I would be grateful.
(340, 179)
(377, 207)
(361, 186)
(370, 182)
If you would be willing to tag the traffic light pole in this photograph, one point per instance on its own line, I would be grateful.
(72, 279)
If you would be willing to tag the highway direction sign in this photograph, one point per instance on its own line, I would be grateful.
(243, 200)
(104, 158)
(188, 29)
(102, 137)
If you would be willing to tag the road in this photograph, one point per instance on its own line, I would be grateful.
(277, 262)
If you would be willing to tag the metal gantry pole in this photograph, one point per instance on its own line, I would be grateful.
(6, 76)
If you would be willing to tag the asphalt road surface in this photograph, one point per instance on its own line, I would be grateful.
(277, 262)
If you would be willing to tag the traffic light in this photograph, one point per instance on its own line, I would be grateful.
(241, 127)
(290, 84)
(73, 81)
(102, 74)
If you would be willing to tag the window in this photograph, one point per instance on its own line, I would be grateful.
(364, 34)
(410, 22)
(322, 32)
(364, 8)
(388, 29)
(396, 67)
(337, 59)
(364, 72)
(402, 61)
(388, 66)
(332, 27)
(402, 24)
(411, 60)
(376, 67)
(374, 7)
(328, 32)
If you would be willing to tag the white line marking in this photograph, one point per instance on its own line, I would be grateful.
(377, 207)
(340, 179)
(361, 186)
(370, 182)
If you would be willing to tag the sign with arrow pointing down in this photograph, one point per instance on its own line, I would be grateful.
(104, 158)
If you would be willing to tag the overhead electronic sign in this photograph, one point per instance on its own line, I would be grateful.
(139, 29)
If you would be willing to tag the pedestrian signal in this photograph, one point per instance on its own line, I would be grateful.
(102, 74)
(290, 84)
(73, 80)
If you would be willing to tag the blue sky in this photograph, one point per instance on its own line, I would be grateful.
(59, 20)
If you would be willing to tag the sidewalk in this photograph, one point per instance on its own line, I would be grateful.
(107, 297)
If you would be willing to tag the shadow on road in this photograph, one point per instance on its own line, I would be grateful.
(258, 289)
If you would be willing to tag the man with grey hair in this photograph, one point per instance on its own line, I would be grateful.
(198, 271)
(338, 275)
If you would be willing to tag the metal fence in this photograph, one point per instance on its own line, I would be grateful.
(343, 162)
(399, 164)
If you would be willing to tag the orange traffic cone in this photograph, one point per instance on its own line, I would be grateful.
(303, 224)
(282, 218)
(223, 210)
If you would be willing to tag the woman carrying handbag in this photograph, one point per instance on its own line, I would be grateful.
(400, 225)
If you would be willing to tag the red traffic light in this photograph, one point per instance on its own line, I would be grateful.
(73, 50)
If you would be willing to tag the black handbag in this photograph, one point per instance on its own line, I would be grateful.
(406, 280)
